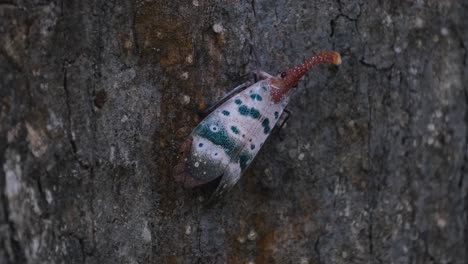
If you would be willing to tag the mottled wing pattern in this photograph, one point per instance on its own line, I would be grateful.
(226, 142)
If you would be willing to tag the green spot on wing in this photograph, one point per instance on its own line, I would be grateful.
(235, 130)
(256, 97)
(254, 113)
(266, 122)
(220, 137)
(244, 110)
(266, 125)
(243, 160)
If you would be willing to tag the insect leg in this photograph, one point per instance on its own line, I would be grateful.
(226, 97)
(288, 114)
(283, 119)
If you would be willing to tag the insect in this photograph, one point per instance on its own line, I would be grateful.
(228, 139)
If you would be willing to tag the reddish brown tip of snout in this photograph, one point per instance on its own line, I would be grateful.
(336, 57)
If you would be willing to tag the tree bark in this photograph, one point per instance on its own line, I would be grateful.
(97, 96)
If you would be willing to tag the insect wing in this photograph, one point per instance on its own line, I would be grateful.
(227, 140)
(249, 117)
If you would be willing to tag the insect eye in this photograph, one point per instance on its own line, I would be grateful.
(283, 74)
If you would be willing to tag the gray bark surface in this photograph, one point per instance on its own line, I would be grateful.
(96, 97)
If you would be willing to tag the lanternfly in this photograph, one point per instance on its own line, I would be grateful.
(227, 140)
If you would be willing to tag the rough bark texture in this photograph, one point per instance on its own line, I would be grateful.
(96, 97)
